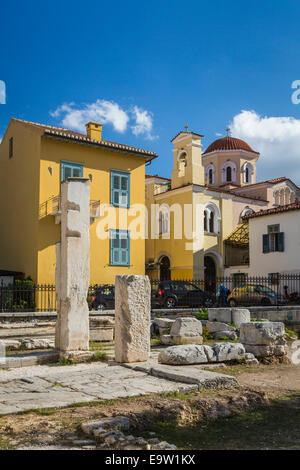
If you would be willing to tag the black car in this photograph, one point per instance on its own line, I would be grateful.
(103, 298)
(170, 294)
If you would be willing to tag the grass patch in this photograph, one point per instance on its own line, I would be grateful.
(274, 426)
(5, 445)
(155, 341)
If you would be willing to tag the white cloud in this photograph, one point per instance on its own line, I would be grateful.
(143, 123)
(276, 138)
(106, 112)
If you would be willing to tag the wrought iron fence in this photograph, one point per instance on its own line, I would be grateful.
(236, 290)
(27, 297)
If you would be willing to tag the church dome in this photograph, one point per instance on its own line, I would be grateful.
(228, 143)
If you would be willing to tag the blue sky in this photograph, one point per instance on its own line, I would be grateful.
(148, 68)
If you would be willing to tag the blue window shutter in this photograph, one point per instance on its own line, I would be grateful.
(73, 170)
(119, 247)
(120, 188)
(266, 243)
(281, 241)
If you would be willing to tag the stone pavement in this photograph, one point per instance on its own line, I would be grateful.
(59, 386)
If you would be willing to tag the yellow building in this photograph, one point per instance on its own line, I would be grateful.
(34, 159)
(195, 211)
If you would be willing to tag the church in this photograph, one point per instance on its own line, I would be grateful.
(197, 229)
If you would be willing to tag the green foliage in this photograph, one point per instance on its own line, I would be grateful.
(202, 314)
(206, 334)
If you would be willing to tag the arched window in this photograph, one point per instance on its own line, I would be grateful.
(210, 174)
(164, 220)
(247, 172)
(228, 174)
(212, 222)
(182, 162)
(211, 218)
(246, 211)
(205, 221)
(247, 175)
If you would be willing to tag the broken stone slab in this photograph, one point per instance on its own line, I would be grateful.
(177, 339)
(38, 343)
(262, 333)
(186, 354)
(11, 343)
(115, 423)
(163, 322)
(167, 340)
(251, 359)
(240, 315)
(231, 335)
(195, 375)
(220, 314)
(229, 351)
(132, 318)
(215, 326)
(186, 327)
(266, 350)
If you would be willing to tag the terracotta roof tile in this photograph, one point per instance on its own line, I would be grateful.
(274, 210)
(228, 143)
(60, 132)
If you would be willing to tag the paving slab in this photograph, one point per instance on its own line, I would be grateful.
(54, 387)
(190, 374)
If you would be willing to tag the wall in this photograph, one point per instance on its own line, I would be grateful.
(19, 183)
(283, 262)
(181, 259)
(97, 165)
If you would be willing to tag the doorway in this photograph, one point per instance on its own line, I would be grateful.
(164, 269)
(210, 274)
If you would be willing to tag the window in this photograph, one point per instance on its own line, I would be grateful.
(228, 174)
(120, 188)
(229, 170)
(11, 147)
(119, 247)
(273, 240)
(211, 222)
(163, 221)
(211, 218)
(71, 170)
(205, 221)
(210, 174)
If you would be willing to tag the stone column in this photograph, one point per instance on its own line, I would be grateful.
(72, 269)
(132, 318)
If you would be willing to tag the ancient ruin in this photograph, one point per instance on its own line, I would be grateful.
(132, 318)
(72, 269)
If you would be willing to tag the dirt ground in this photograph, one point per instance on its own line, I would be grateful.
(264, 413)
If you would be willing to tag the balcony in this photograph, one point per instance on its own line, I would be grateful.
(53, 207)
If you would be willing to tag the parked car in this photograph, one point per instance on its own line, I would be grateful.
(103, 298)
(255, 295)
(170, 294)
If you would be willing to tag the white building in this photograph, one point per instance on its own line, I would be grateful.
(274, 243)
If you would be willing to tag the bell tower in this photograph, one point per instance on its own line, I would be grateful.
(187, 159)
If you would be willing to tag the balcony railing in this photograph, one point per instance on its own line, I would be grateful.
(53, 207)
